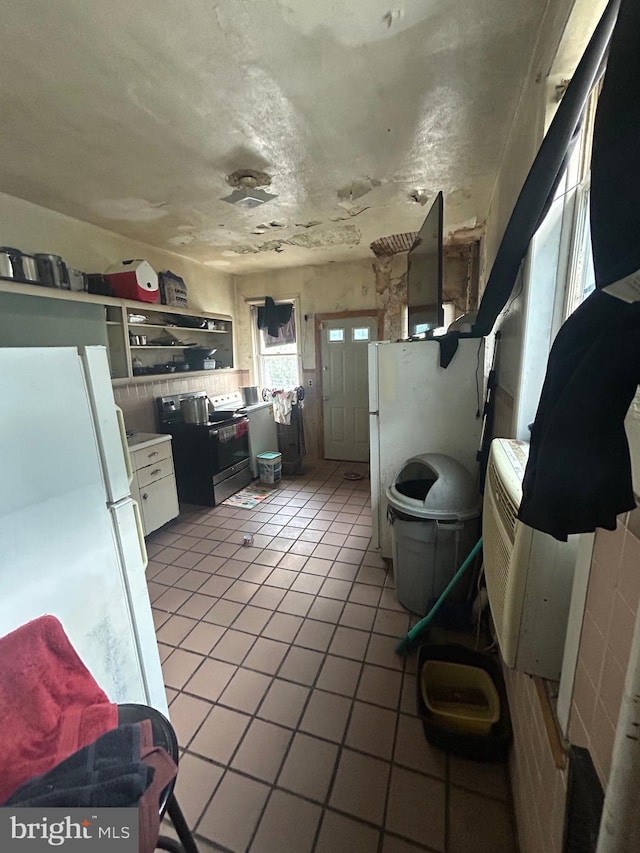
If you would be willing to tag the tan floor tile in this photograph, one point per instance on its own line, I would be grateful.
(343, 571)
(282, 578)
(241, 591)
(288, 824)
(349, 643)
(211, 679)
(302, 548)
(197, 606)
(371, 575)
(380, 686)
(413, 750)
(256, 573)
(296, 603)
(416, 809)
(170, 574)
(233, 646)
(317, 566)
(339, 675)
(188, 560)
(179, 667)
(171, 694)
(326, 715)
(326, 610)
(309, 767)
(266, 655)
(333, 588)
(358, 616)
(282, 626)
(314, 635)
(311, 536)
(192, 580)
(268, 557)
(202, 638)
(284, 703)
(164, 651)
(187, 714)
(371, 730)
(262, 750)
(220, 734)
(215, 586)
(488, 779)
(340, 833)
(174, 630)
(268, 597)
(171, 599)
(195, 784)
(390, 844)
(252, 619)
(223, 612)
(223, 822)
(246, 690)
(381, 651)
(232, 568)
(159, 617)
(360, 786)
(326, 552)
(479, 824)
(350, 555)
(389, 600)
(301, 665)
(211, 563)
(331, 538)
(408, 701)
(280, 543)
(293, 561)
(226, 549)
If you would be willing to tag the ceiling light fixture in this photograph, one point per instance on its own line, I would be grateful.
(247, 193)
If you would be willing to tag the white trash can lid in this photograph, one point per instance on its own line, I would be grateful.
(436, 486)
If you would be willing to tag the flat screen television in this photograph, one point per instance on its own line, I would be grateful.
(424, 274)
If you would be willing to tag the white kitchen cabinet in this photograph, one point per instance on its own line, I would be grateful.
(154, 482)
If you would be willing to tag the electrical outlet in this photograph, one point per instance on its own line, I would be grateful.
(310, 383)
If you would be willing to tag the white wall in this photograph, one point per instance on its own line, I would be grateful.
(32, 228)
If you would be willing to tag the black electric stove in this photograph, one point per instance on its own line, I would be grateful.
(211, 460)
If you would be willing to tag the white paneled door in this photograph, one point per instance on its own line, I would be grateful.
(345, 401)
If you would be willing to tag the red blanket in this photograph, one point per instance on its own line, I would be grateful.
(50, 704)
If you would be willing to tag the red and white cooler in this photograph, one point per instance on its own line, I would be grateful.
(134, 279)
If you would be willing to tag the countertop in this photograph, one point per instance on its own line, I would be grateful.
(145, 439)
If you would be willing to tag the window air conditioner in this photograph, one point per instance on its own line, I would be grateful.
(529, 574)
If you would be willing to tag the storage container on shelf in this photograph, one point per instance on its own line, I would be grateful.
(433, 507)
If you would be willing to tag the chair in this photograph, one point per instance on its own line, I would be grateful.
(165, 737)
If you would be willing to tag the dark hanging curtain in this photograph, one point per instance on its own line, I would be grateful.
(544, 175)
(278, 322)
(578, 476)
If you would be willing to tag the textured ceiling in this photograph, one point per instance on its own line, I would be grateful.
(130, 115)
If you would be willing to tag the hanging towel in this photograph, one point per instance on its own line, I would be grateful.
(282, 402)
(50, 704)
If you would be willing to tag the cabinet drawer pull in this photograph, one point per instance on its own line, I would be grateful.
(157, 471)
(145, 496)
(151, 455)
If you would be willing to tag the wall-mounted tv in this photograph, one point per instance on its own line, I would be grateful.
(424, 274)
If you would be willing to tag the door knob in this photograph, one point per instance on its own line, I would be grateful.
(325, 398)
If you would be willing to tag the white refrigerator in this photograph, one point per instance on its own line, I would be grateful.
(71, 541)
(415, 407)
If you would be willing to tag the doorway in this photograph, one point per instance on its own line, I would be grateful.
(342, 343)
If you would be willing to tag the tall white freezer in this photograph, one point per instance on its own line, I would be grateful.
(416, 406)
(70, 532)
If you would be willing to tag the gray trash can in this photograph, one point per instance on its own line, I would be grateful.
(433, 509)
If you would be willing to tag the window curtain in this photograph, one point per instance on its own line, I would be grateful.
(278, 322)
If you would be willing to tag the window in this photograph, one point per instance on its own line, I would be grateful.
(277, 360)
(361, 334)
(336, 336)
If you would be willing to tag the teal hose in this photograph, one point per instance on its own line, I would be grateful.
(419, 627)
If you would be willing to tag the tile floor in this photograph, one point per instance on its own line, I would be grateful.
(295, 716)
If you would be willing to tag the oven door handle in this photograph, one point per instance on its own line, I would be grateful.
(214, 432)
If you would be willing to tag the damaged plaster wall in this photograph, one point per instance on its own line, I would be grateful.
(390, 272)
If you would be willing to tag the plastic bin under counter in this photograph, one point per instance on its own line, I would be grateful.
(154, 481)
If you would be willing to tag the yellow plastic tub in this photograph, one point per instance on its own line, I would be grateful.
(461, 698)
